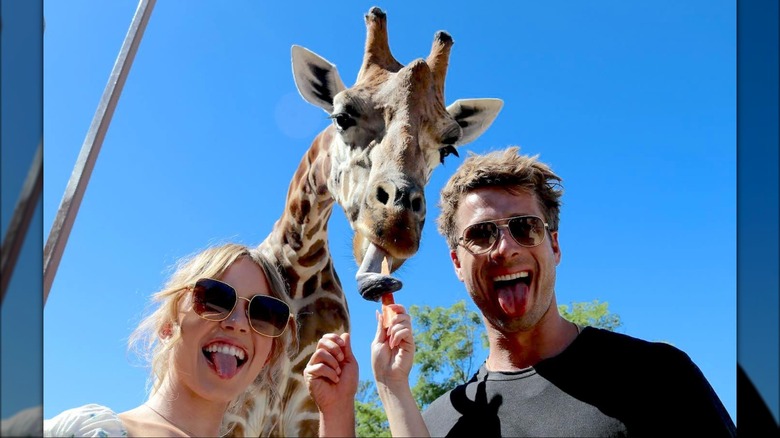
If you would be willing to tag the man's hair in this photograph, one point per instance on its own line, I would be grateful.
(505, 168)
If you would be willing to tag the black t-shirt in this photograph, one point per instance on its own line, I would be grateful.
(603, 384)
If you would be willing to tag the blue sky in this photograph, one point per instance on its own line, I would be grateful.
(631, 103)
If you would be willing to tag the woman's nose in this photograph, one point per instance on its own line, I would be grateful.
(238, 320)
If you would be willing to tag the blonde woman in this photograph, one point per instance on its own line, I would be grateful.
(222, 329)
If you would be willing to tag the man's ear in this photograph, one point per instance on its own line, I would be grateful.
(555, 247)
(456, 263)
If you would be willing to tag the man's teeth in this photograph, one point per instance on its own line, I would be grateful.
(509, 277)
(226, 349)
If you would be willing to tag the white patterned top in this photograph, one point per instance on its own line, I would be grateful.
(90, 420)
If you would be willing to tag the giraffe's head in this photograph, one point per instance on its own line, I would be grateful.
(389, 131)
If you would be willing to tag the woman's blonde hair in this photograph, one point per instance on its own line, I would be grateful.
(147, 339)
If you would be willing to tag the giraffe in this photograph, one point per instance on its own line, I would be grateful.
(388, 133)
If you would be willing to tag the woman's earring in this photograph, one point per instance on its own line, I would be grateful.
(166, 332)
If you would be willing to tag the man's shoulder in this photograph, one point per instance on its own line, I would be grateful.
(443, 404)
(439, 416)
(659, 378)
(437, 405)
(618, 344)
(443, 409)
(455, 414)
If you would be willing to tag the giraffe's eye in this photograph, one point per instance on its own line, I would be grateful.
(343, 121)
(446, 151)
(451, 140)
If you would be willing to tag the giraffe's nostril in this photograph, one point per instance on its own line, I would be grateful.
(382, 196)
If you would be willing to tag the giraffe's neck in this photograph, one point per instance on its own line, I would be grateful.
(299, 241)
(299, 238)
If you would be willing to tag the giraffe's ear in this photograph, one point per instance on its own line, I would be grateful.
(317, 80)
(474, 116)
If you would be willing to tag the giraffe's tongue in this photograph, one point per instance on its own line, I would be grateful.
(371, 283)
(372, 260)
(512, 297)
(226, 365)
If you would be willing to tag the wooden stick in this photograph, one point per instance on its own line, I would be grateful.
(387, 312)
(77, 184)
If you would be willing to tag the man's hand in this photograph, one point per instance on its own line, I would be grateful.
(392, 351)
(392, 357)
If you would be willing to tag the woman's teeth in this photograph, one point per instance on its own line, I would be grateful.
(226, 349)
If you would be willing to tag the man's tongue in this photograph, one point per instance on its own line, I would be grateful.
(225, 364)
(512, 297)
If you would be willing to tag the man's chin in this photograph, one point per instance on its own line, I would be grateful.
(509, 324)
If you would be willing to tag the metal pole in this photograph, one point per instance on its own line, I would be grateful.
(74, 192)
(20, 221)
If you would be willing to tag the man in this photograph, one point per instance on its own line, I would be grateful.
(544, 375)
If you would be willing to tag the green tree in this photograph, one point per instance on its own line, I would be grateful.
(445, 340)
(445, 356)
(370, 418)
(594, 313)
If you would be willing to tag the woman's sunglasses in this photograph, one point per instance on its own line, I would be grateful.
(214, 300)
(479, 238)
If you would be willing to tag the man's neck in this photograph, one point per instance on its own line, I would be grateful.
(518, 350)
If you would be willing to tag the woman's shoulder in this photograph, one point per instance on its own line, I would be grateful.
(90, 420)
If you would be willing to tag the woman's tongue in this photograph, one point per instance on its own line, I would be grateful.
(226, 365)
(512, 296)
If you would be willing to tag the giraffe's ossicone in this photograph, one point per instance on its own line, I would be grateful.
(389, 131)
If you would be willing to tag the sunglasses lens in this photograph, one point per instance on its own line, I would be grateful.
(527, 230)
(268, 315)
(213, 300)
(479, 238)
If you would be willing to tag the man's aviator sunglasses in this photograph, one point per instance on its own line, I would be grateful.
(527, 231)
(214, 300)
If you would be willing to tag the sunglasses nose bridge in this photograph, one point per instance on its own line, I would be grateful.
(503, 232)
(246, 309)
(232, 320)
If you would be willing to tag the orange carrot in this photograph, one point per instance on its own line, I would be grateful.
(387, 312)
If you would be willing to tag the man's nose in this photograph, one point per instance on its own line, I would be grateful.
(505, 245)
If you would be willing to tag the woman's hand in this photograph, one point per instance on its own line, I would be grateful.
(332, 374)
